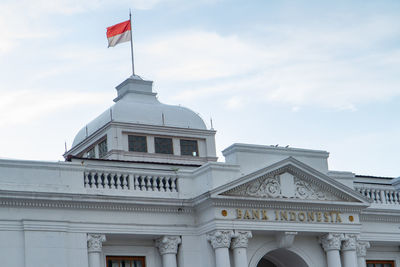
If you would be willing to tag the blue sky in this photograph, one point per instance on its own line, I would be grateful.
(311, 74)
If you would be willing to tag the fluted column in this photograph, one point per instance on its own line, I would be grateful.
(239, 247)
(331, 244)
(221, 240)
(168, 248)
(95, 244)
(361, 250)
(349, 250)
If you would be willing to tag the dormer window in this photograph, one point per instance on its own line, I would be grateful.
(163, 145)
(137, 143)
(103, 148)
(189, 148)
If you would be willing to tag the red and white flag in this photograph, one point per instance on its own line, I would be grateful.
(119, 33)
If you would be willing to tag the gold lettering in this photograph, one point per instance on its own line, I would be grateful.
(264, 215)
(239, 214)
(256, 214)
(276, 215)
(284, 215)
(338, 219)
(319, 216)
(331, 213)
(247, 215)
(302, 216)
(326, 217)
(310, 216)
(292, 215)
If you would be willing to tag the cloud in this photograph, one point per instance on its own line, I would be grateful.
(340, 68)
(23, 106)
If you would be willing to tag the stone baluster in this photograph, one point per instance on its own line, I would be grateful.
(239, 247)
(331, 244)
(168, 248)
(361, 249)
(95, 244)
(221, 240)
(349, 250)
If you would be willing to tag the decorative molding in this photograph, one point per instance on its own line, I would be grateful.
(349, 242)
(220, 238)
(331, 241)
(285, 239)
(307, 190)
(90, 203)
(241, 239)
(270, 186)
(95, 242)
(168, 244)
(361, 248)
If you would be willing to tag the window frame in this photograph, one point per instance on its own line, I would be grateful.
(145, 143)
(100, 151)
(392, 262)
(142, 259)
(197, 147)
(166, 138)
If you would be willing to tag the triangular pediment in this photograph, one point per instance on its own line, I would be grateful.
(290, 179)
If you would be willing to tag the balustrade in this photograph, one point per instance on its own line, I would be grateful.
(129, 181)
(380, 195)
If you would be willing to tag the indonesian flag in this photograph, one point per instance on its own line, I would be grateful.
(119, 33)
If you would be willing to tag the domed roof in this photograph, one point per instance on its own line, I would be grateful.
(136, 103)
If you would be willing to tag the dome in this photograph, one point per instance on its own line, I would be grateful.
(136, 103)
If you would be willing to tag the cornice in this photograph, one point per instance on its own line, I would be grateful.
(240, 147)
(79, 201)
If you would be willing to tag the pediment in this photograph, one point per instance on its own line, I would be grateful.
(291, 179)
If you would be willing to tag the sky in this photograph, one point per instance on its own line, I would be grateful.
(309, 74)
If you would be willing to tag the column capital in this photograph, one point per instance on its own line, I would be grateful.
(331, 241)
(220, 238)
(168, 244)
(349, 242)
(361, 248)
(95, 242)
(241, 239)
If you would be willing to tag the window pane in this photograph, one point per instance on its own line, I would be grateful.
(137, 143)
(102, 148)
(189, 148)
(163, 145)
(91, 153)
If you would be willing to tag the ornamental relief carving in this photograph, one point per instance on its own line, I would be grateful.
(272, 186)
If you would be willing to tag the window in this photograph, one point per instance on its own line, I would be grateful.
(137, 143)
(374, 263)
(163, 145)
(91, 153)
(120, 261)
(102, 148)
(189, 148)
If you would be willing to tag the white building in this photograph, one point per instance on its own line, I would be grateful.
(142, 187)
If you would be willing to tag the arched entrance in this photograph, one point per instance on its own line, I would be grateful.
(281, 258)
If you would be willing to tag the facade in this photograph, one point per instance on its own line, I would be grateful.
(141, 187)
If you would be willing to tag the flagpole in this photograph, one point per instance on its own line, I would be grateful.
(133, 65)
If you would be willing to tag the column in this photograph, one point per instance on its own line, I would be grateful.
(95, 244)
(331, 244)
(168, 248)
(361, 250)
(349, 250)
(239, 247)
(221, 240)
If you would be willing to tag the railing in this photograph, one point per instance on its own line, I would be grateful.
(380, 195)
(128, 181)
